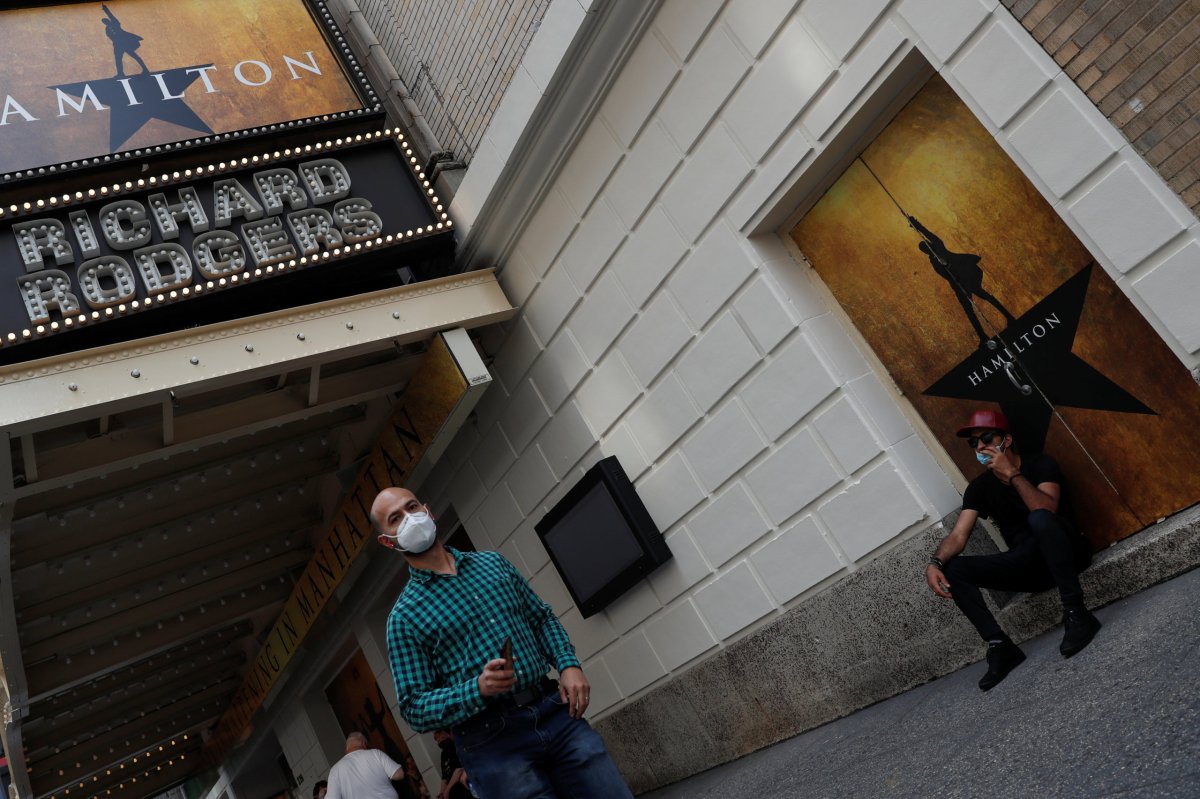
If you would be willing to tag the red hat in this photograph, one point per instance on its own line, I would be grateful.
(987, 418)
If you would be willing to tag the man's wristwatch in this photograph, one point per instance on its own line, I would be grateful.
(934, 560)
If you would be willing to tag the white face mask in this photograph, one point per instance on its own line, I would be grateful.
(415, 534)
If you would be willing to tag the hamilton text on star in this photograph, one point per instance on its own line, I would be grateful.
(1005, 356)
(251, 73)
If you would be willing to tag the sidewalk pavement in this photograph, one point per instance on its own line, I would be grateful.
(1120, 719)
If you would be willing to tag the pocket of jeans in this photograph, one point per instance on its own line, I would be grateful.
(474, 735)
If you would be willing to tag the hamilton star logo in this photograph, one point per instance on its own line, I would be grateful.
(134, 101)
(1029, 368)
(156, 95)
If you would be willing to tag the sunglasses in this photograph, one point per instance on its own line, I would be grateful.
(987, 438)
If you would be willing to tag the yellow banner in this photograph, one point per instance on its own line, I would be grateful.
(432, 394)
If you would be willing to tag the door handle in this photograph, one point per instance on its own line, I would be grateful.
(1010, 370)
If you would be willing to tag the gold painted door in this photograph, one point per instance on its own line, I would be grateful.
(974, 293)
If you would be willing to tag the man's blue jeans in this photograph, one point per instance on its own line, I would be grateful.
(537, 752)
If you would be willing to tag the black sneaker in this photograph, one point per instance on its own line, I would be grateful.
(1079, 628)
(1002, 657)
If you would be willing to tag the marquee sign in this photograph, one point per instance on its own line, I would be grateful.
(74, 261)
(91, 83)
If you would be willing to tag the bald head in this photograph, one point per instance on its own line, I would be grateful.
(388, 510)
(386, 502)
(355, 741)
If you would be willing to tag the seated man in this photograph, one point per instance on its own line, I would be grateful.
(1027, 500)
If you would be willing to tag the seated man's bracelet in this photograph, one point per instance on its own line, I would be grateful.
(936, 561)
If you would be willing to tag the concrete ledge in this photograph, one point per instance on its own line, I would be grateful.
(875, 634)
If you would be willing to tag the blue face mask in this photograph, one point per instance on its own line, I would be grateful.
(983, 458)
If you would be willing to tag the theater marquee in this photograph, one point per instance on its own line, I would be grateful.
(85, 81)
(74, 262)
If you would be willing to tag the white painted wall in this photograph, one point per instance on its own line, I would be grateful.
(664, 321)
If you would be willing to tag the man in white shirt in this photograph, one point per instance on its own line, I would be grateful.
(363, 773)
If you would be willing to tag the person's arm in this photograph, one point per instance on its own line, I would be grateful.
(933, 240)
(1042, 495)
(951, 546)
(555, 645)
(332, 791)
(552, 639)
(424, 706)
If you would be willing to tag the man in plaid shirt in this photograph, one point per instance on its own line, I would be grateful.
(518, 733)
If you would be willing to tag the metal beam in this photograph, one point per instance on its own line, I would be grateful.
(168, 421)
(122, 700)
(87, 728)
(110, 523)
(244, 349)
(12, 666)
(212, 426)
(226, 642)
(70, 668)
(71, 490)
(157, 609)
(29, 458)
(145, 566)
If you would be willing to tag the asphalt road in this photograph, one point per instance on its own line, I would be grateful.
(1120, 719)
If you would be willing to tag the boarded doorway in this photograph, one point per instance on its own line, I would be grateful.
(973, 292)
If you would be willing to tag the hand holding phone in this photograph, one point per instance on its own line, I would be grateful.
(498, 675)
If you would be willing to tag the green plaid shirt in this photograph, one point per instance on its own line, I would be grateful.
(444, 628)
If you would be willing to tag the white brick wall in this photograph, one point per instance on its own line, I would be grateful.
(663, 319)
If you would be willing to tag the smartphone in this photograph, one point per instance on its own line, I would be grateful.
(506, 652)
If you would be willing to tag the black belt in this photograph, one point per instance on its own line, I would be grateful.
(524, 697)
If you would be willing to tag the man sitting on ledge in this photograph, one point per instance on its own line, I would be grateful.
(1027, 499)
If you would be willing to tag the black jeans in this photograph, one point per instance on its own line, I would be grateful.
(1050, 554)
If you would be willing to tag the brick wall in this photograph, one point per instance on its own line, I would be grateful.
(1139, 62)
(456, 57)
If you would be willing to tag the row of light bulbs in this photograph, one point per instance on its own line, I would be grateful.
(176, 176)
(172, 656)
(139, 542)
(182, 577)
(181, 617)
(121, 767)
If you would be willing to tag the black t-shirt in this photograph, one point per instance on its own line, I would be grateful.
(1003, 505)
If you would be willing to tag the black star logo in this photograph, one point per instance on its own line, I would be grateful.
(1028, 368)
(149, 96)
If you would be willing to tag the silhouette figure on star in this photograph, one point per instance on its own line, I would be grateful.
(124, 43)
(962, 271)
